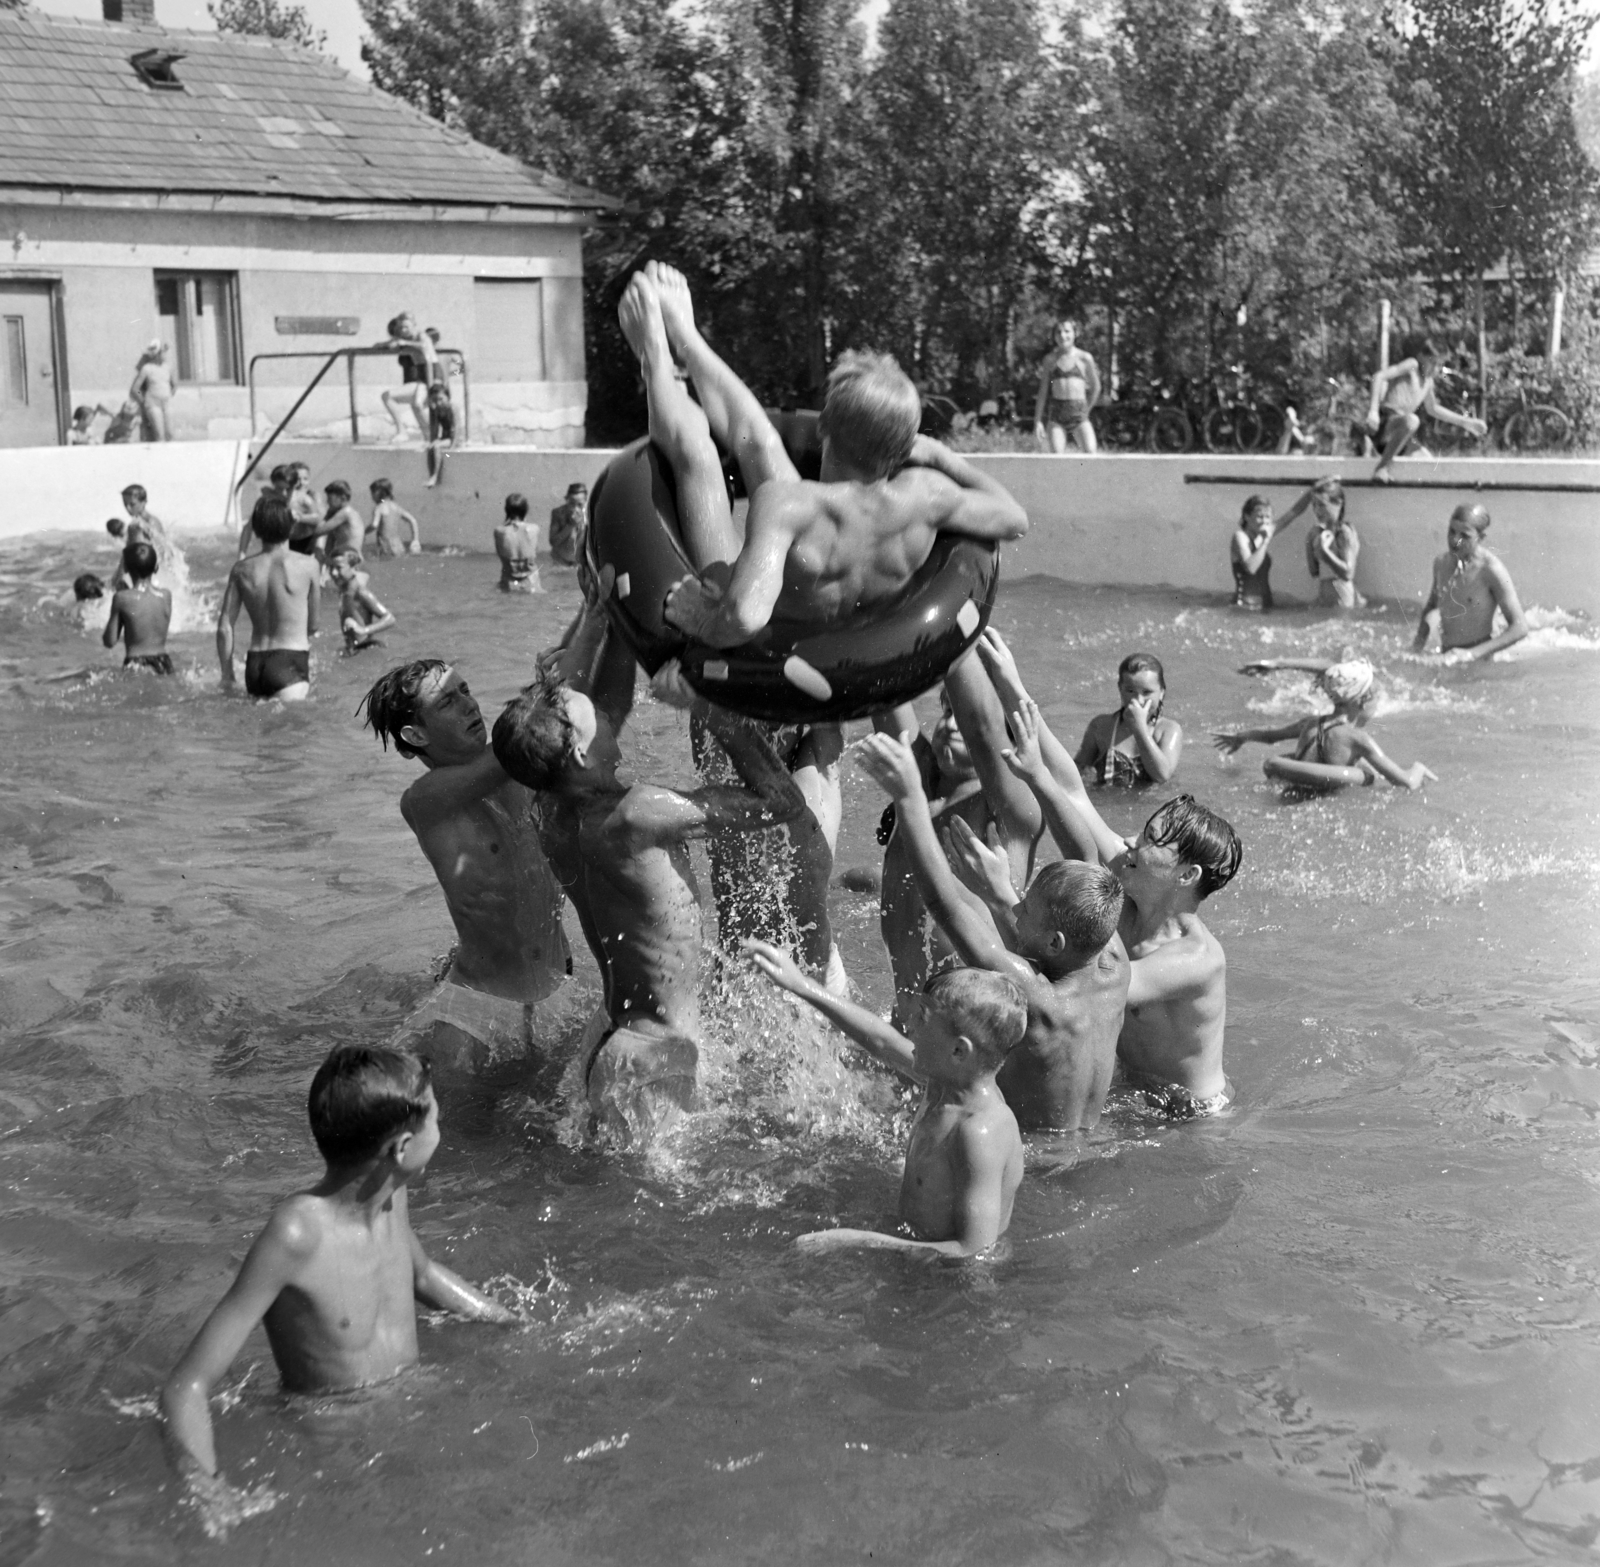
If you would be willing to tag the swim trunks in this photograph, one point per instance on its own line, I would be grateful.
(268, 673)
(500, 1025)
(641, 1083)
(1387, 415)
(1174, 1102)
(156, 663)
(1068, 412)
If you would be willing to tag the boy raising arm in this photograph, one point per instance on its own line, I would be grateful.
(334, 1276)
(964, 1160)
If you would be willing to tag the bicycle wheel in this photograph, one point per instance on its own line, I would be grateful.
(1220, 430)
(1170, 432)
(1269, 427)
(1537, 428)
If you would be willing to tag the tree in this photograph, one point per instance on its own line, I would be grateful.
(268, 19)
(1499, 174)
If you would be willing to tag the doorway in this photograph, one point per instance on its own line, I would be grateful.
(30, 403)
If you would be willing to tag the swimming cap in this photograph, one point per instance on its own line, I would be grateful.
(1474, 514)
(1349, 681)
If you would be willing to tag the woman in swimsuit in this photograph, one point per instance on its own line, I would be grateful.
(418, 369)
(1135, 745)
(1069, 386)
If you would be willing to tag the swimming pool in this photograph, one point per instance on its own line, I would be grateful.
(1352, 1319)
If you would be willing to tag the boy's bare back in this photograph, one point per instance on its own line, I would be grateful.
(276, 589)
(953, 1143)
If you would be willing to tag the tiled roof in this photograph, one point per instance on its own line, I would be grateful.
(255, 117)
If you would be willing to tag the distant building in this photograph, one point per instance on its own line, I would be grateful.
(237, 197)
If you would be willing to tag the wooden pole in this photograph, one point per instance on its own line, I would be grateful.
(1385, 320)
(1558, 304)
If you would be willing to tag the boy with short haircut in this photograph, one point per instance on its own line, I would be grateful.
(342, 527)
(278, 590)
(1398, 391)
(335, 1275)
(1339, 738)
(568, 523)
(142, 522)
(1059, 944)
(964, 1160)
(140, 613)
(1470, 582)
(388, 517)
(361, 616)
(516, 545)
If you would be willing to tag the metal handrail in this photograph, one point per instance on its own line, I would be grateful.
(349, 355)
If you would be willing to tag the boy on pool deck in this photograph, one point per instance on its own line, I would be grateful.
(1170, 1046)
(964, 1160)
(517, 545)
(1398, 391)
(629, 848)
(1469, 584)
(361, 616)
(335, 1275)
(140, 613)
(388, 517)
(278, 590)
(1058, 944)
(480, 833)
(1337, 739)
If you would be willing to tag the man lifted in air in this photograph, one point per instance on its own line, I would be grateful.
(819, 551)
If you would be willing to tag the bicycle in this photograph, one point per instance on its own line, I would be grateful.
(1232, 423)
(1535, 427)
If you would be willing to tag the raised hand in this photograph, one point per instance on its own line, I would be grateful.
(1024, 758)
(890, 764)
(1002, 667)
(984, 867)
(1228, 743)
(668, 686)
(777, 965)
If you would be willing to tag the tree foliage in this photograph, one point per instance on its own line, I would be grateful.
(268, 19)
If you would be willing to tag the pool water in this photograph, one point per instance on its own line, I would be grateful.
(1355, 1318)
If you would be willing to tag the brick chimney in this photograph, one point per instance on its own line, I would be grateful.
(129, 11)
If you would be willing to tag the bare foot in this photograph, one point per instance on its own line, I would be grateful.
(677, 308)
(639, 316)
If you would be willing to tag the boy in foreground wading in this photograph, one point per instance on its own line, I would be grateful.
(335, 1275)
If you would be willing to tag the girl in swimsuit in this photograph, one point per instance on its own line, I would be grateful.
(1069, 386)
(1332, 547)
(418, 370)
(1135, 745)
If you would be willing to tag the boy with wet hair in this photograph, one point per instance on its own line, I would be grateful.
(140, 613)
(623, 854)
(1059, 944)
(335, 1274)
(361, 616)
(278, 590)
(142, 522)
(1170, 1045)
(480, 832)
(964, 1160)
(1470, 582)
(568, 523)
(342, 527)
(517, 546)
(388, 517)
(1339, 738)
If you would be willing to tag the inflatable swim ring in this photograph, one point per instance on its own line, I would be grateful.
(790, 671)
(1318, 777)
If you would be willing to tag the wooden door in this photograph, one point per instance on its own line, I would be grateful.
(29, 413)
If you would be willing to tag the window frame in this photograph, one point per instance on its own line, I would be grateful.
(186, 279)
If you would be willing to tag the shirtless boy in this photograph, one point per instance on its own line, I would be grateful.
(1069, 386)
(629, 849)
(335, 1275)
(389, 517)
(1172, 1033)
(1469, 585)
(964, 1160)
(568, 523)
(1059, 944)
(1397, 393)
(361, 616)
(342, 527)
(140, 613)
(1339, 738)
(517, 545)
(480, 833)
(278, 590)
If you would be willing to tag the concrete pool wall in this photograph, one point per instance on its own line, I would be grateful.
(1125, 521)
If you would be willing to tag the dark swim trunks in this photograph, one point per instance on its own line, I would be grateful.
(157, 663)
(266, 674)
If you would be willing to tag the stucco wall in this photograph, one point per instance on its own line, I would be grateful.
(105, 261)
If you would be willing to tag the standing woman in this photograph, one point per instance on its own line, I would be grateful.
(152, 391)
(418, 368)
(1069, 386)
(1332, 548)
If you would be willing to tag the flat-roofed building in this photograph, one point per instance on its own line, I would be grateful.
(238, 197)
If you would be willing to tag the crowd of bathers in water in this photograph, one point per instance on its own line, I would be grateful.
(1036, 954)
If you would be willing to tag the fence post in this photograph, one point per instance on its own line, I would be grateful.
(1558, 304)
(1385, 320)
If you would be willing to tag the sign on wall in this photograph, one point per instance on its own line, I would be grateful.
(317, 326)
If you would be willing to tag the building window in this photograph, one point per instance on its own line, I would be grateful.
(508, 344)
(198, 317)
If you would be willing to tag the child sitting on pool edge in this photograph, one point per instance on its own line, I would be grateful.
(964, 1160)
(335, 1275)
(1134, 745)
(1337, 739)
